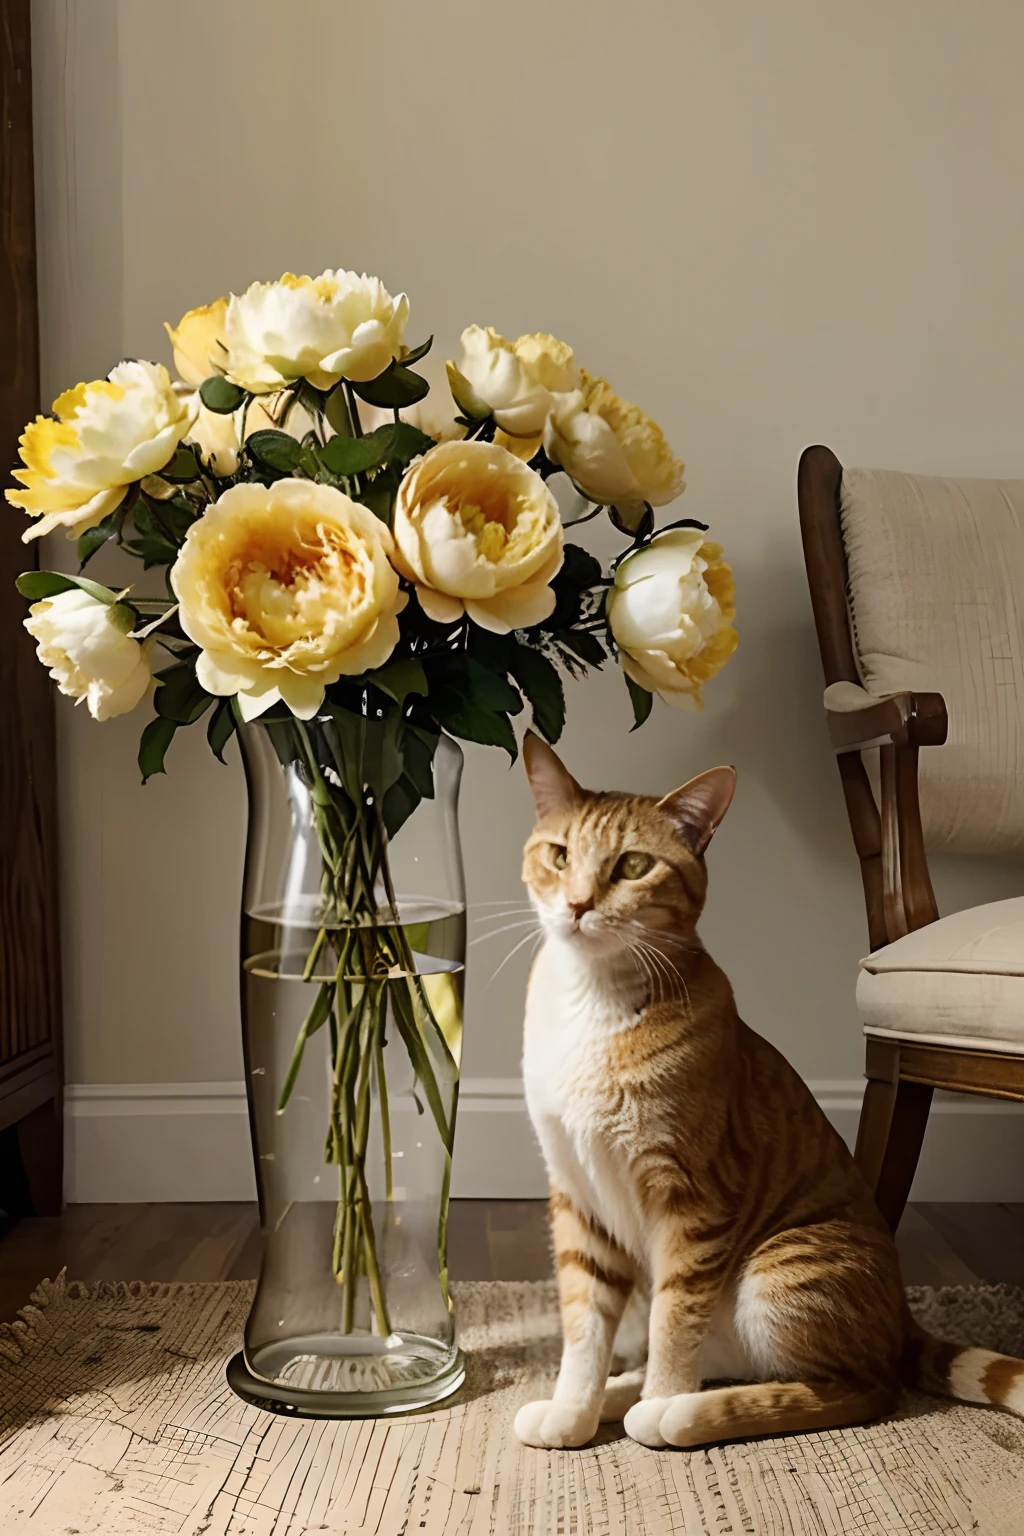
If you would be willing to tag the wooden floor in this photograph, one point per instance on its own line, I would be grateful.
(488, 1240)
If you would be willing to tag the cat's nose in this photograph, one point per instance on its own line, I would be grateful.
(578, 908)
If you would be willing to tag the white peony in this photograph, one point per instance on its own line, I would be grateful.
(338, 325)
(107, 434)
(512, 380)
(610, 449)
(90, 653)
(671, 611)
(479, 533)
(286, 588)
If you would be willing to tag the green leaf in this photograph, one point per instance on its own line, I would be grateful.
(344, 735)
(220, 395)
(414, 355)
(278, 450)
(382, 753)
(471, 701)
(408, 442)
(378, 496)
(458, 673)
(172, 518)
(396, 443)
(336, 411)
(182, 468)
(418, 748)
(181, 697)
(354, 455)
(95, 538)
(579, 567)
(221, 728)
(641, 700)
(154, 545)
(399, 803)
(400, 679)
(152, 549)
(39, 585)
(634, 517)
(395, 388)
(156, 738)
(470, 721)
(542, 685)
(585, 644)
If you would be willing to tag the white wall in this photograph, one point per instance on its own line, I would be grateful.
(771, 226)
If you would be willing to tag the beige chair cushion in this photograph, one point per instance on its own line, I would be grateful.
(936, 592)
(959, 981)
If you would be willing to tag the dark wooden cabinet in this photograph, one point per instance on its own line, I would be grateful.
(31, 1076)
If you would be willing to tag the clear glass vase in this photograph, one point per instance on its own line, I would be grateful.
(353, 949)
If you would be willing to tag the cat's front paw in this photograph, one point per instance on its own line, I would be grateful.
(643, 1422)
(662, 1421)
(554, 1426)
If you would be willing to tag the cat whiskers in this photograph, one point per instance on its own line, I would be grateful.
(536, 936)
(525, 922)
(663, 974)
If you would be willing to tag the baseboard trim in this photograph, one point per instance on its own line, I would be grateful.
(187, 1142)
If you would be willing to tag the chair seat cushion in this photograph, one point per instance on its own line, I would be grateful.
(959, 981)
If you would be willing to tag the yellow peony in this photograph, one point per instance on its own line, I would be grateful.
(512, 380)
(609, 448)
(286, 588)
(479, 533)
(338, 325)
(198, 342)
(670, 612)
(107, 434)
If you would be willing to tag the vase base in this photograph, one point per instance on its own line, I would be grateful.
(312, 1378)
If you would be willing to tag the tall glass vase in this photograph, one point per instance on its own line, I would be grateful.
(353, 947)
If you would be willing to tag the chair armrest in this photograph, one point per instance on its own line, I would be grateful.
(858, 720)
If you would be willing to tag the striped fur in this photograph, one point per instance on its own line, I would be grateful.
(699, 1196)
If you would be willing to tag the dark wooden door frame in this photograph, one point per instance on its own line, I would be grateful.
(31, 1057)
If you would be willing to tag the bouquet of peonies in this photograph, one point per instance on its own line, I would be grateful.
(360, 574)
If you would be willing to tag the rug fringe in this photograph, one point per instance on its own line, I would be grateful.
(36, 1320)
(32, 1326)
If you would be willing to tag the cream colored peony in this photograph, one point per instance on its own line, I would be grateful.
(479, 533)
(107, 434)
(512, 380)
(198, 341)
(671, 611)
(286, 588)
(90, 653)
(338, 325)
(610, 449)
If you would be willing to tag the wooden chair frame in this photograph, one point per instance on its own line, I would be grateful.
(901, 1074)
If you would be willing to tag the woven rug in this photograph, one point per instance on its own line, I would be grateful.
(115, 1419)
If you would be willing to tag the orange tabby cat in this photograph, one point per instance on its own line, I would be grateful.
(705, 1214)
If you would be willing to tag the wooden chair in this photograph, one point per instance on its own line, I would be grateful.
(917, 586)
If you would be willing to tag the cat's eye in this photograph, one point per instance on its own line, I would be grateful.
(559, 856)
(633, 866)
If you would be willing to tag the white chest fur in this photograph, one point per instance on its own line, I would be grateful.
(583, 1130)
(568, 1021)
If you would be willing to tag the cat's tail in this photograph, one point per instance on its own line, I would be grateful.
(957, 1370)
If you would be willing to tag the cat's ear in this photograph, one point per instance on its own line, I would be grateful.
(698, 808)
(553, 786)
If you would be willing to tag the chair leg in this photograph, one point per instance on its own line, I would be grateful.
(32, 1163)
(893, 1120)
